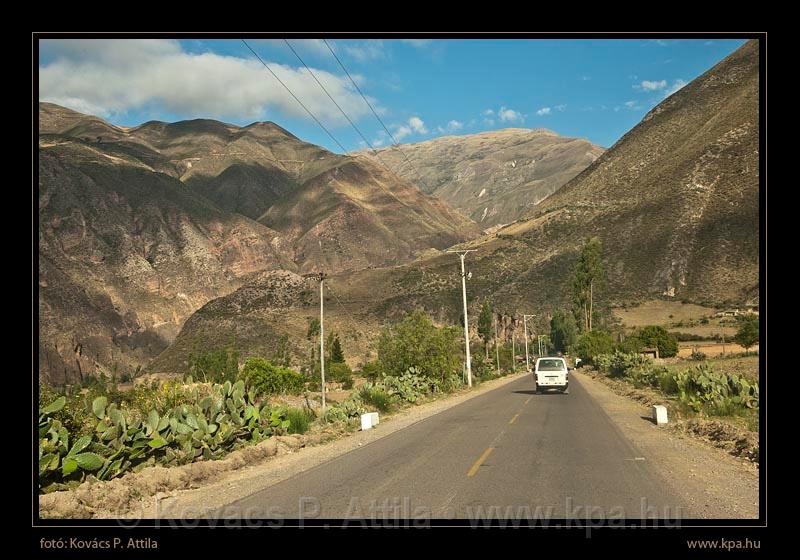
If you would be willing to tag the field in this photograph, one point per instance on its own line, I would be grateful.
(665, 313)
(712, 349)
(737, 365)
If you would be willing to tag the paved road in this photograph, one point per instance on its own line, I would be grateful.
(506, 454)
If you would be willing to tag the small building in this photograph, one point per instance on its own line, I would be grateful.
(650, 352)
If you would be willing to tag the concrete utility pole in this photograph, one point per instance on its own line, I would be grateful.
(513, 349)
(527, 355)
(320, 277)
(463, 253)
(496, 341)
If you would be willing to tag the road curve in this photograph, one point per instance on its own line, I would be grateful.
(508, 454)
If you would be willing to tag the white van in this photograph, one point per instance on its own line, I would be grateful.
(551, 373)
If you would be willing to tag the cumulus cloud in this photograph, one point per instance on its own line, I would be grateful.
(561, 107)
(108, 77)
(543, 111)
(507, 115)
(452, 126)
(415, 125)
(651, 85)
(676, 85)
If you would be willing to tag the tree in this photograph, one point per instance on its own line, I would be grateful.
(337, 355)
(657, 337)
(589, 278)
(312, 335)
(485, 325)
(563, 330)
(747, 334)
(416, 341)
(593, 343)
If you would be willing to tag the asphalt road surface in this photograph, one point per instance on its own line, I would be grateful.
(506, 454)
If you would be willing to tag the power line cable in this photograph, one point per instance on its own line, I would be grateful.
(395, 143)
(295, 97)
(346, 116)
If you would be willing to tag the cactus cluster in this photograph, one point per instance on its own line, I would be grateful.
(702, 385)
(211, 425)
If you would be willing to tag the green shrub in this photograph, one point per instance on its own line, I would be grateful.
(372, 371)
(339, 372)
(376, 397)
(299, 420)
(266, 378)
(619, 364)
(417, 342)
(215, 366)
(658, 337)
(592, 344)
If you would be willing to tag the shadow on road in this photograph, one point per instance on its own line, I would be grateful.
(532, 392)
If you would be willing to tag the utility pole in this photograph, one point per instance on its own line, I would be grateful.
(527, 355)
(320, 277)
(463, 253)
(591, 300)
(513, 348)
(496, 347)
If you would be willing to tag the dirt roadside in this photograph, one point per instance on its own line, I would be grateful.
(195, 490)
(715, 484)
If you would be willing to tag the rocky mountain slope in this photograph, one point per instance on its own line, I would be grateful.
(140, 227)
(675, 203)
(493, 177)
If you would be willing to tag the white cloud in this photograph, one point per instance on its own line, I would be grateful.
(543, 111)
(676, 85)
(651, 85)
(630, 103)
(487, 112)
(365, 50)
(452, 126)
(489, 122)
(418, 43)
(108, 77)
(415, 125)
(510, 115)
(561, 107)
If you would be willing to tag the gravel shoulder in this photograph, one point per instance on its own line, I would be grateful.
(713, 483)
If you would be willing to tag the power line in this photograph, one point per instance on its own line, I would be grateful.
(295, 97)
(371, 108)
(364, 138)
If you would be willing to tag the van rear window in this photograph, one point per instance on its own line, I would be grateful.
(551, 365)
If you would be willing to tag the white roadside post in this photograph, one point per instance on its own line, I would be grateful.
(463, 253)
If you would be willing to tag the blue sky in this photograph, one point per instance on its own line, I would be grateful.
(595, 89)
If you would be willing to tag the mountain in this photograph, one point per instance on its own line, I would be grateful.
(493, 177)
(674, 202)
(139, 227)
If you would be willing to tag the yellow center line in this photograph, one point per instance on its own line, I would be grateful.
(529, 400)
(479, 462)
(515, 417)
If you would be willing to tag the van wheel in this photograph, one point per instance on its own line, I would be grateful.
(536, 390)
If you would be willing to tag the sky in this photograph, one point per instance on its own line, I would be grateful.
(421, 88)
